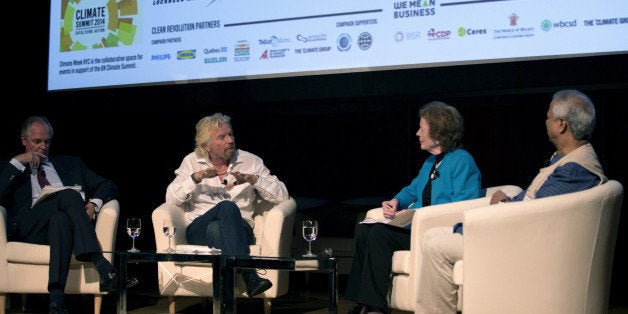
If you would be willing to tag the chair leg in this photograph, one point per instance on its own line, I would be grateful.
(3, 303)
(267, 305)
(97, 303)
(207, 305)
(171, 304)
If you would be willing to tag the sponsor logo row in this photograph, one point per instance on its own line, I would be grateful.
(278, 47)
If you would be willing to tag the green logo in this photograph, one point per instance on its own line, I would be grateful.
(462, 31)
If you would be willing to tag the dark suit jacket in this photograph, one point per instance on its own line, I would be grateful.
(16, 191)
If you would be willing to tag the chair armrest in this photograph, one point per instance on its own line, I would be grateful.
(375, 214)
(174, 213)
(510, 190)
(107, 225)
(452, 213)
(274, 232)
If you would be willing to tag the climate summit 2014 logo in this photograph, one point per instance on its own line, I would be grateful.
(93, 24)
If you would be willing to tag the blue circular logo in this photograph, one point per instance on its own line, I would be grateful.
(344, 42)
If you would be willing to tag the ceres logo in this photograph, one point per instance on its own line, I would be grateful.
(186, 54)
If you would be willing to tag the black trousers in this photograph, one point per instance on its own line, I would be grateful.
(369, 280)
(61, 222)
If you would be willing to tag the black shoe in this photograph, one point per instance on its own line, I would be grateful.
(57, 308)
(110, 282)
(356, 308)
(131, 282)
(373, 310)
(257, 285)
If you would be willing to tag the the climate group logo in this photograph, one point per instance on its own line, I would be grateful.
(97, 24)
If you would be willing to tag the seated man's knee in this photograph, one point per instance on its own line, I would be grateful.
(444, 247)
(227, 206)
(70, 194)
(214, 235)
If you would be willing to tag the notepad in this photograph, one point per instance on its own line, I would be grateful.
(196, 249)
(399, 221)
(49, 190)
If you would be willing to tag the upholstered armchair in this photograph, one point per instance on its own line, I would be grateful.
(274, 225)
(406, 264)
(548, 255)
(24, 266)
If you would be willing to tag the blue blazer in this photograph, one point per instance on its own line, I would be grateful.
(16, 191)
(459, 179)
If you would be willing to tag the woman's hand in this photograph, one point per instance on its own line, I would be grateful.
(389, 208)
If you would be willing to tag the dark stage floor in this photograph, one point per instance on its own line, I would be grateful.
(307, 294)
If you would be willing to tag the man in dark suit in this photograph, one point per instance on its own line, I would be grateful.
(63, 220)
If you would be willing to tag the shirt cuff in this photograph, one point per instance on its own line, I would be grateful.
(17, 164)
(97, 202)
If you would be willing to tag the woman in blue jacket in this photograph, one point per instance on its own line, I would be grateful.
(449, 174)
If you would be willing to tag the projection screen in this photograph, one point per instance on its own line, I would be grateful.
(107, 43)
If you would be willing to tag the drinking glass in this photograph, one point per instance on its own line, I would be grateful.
(133, 229)
(310, 231)
(170, 229)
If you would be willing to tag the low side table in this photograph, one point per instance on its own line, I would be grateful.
(231, 264)
(124, 258)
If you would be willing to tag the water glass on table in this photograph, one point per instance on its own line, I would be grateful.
(310, 232)
(170, 229)
(133, 229)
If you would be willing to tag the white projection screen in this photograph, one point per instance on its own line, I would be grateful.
(107, 43)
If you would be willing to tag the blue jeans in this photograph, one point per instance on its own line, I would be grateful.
(222, 227)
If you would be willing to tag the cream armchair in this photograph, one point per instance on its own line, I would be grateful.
(406, 264)
(274, 224)
(24, 266)
(549, 255)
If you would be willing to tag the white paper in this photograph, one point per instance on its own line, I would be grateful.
(51, 190)
(196, 249)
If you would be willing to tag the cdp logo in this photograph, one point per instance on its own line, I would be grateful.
(434, 34)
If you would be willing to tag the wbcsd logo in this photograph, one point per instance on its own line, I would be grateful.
(186, 54)
(546, 25)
